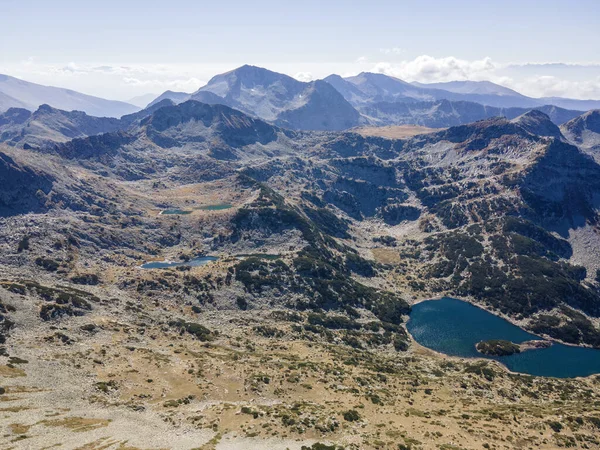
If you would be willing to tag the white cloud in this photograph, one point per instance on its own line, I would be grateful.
(304, 76)
(124, 81)
(552, 86)
(113, 80)
(428, 69)
(581, 81)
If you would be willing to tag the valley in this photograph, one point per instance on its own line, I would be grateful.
(274, 314)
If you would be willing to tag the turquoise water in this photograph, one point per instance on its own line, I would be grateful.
(216, 207)
(200, 261)
(453, 327)
(175, 211)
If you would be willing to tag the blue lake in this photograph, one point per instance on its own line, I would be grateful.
(200, 261)
(453, 327)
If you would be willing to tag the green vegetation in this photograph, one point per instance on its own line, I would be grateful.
(321, 271)
(23, 244)
(520, 274)
(47, 264)
(497, 347)
(351, 415)
(199, 331)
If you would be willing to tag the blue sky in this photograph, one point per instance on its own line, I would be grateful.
(124, 48)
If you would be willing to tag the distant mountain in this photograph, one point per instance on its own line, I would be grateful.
(445, 113)
(280, 99)
(369, 88)
(6, 102)
(175, 97)
(367, 98)
(50, 125)
(471, 87)
(584, 130)
(569, 103)
(129, 119)
(16, 93)
(141, 101)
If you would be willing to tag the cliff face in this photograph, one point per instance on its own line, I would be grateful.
(23, 188)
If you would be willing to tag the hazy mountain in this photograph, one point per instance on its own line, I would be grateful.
(6, 102)
(470, 87)
(368, 88)
(569, 103)
(175, 97)
(445, 113)
(584, 130)
(23, 94)
(280, 99)
(50, 125)
(129, 119)
(141, 101)
(378, 98)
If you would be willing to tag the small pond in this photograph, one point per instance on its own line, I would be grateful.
(453, 327)
(200, 261)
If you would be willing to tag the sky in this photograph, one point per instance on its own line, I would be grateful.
(127, 48)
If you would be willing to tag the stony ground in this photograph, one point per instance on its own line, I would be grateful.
(122, 378)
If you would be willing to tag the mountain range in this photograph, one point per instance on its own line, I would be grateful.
(332, 104)
(16, 93)
(368, 98)
(48, 126)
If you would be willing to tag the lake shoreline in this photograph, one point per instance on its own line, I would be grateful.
(452, 328)
(518, 323)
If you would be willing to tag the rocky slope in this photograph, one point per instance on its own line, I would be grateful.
(48, 126)
(584, 131)
(281, 99)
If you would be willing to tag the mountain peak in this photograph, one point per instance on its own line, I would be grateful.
(584, 130)
(536, 122)
(46, 108)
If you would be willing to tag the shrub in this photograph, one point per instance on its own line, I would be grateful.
(241, 303)
(199, 331)
(86, 278)
(47, 264)
(23, 244)
(351, 415)
(556, 426)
